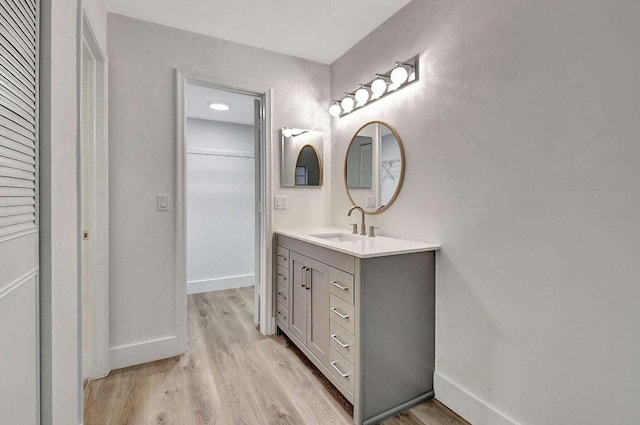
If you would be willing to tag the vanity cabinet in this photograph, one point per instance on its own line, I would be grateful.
(368, 324)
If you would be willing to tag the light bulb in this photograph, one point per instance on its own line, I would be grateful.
(335, 110)
(378, 87)
(362, 96)
(399, 75)
(287, 132)
(392, 87)
(347, 104)
(412, 76)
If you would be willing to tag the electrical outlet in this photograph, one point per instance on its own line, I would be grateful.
(280, 202)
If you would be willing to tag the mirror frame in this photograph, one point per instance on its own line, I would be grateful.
(321, 171)
(402, 171)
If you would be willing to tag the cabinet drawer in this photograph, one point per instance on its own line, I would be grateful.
(282, 275)
(327, 256)
(342, 341)
(282, 294)
(341, 369)
(282, 256)
(341, 313)
(341, 284)
(282, 313)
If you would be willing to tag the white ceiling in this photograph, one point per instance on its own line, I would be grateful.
(319, 30)
(240, 105)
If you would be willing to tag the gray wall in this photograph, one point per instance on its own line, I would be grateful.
(523, 161)
(143, 58)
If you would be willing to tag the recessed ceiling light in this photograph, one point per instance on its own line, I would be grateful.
(219, 106)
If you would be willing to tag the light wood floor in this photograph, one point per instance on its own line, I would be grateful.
(231, 374)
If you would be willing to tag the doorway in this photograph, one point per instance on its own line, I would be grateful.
(222, 168)
(221, 189)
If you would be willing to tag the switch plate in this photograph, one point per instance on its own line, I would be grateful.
(280, 202)
(371, 202)
(163, 202)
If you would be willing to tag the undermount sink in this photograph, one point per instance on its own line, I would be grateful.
(338, 237)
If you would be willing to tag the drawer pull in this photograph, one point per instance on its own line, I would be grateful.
(342, 344)
(282, 276)
(344, 375)
(282, 315)
(282, 295)
(344, 316)
(282, 257)
(337, 285)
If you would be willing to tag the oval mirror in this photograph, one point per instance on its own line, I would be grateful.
(307, 172)
(374, 167)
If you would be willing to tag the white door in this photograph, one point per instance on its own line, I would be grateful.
(19, 263)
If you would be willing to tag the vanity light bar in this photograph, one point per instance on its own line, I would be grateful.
(402, 75)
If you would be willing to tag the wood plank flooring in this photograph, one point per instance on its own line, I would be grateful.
(231, 374)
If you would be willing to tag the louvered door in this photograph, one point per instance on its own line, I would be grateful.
(19, 306)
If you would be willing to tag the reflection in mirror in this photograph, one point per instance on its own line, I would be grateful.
(360, 163)
(307, 167)
(374, 167)
(301, 158)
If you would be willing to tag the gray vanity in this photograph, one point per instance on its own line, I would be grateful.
(363, 311)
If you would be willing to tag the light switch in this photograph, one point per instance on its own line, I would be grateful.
(371, 202)
(280, 202)
(163, 202)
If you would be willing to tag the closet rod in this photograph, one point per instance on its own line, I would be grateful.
(230, 155)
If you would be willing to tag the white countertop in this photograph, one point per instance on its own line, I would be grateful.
(356, 245)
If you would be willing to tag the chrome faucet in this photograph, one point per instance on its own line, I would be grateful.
(363, 227)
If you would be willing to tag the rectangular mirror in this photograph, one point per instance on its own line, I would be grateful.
(300, 158)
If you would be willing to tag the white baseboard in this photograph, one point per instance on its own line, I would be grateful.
(144, 352)
(219, 284)
(466, 404)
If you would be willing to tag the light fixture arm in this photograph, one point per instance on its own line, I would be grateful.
(407, 64)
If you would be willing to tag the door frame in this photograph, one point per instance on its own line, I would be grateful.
(267, 321)
(98, 362)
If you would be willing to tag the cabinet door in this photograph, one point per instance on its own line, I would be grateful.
(298, 292)
(317, 282)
